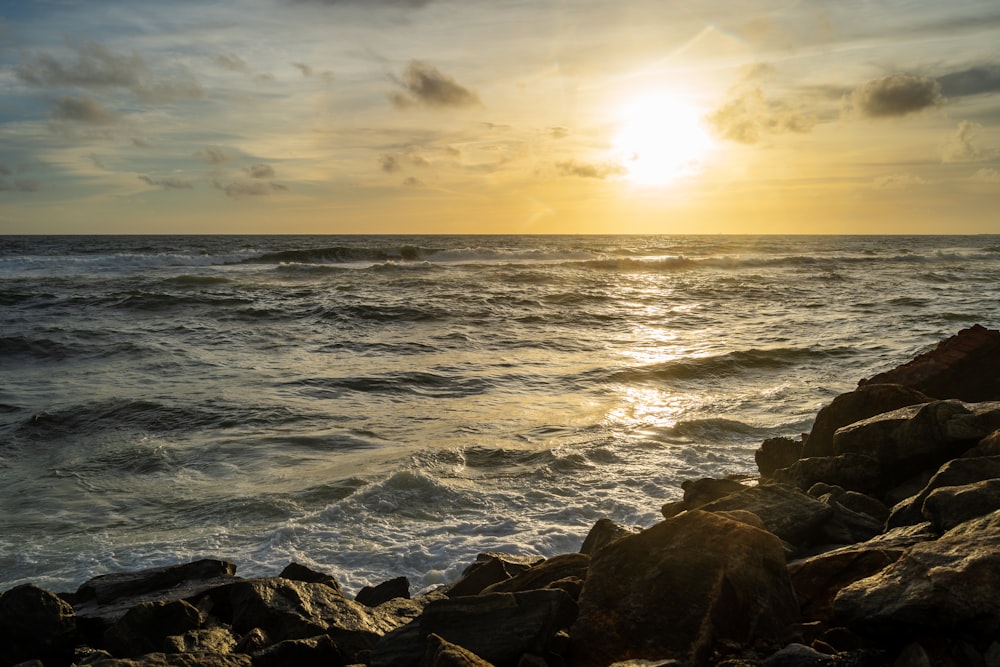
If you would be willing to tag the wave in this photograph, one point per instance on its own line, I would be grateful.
(437, 385)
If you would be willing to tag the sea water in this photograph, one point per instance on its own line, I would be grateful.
(376, 406)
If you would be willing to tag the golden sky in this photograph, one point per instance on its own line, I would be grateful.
(447, 116)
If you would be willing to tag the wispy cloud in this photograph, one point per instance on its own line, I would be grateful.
(971, 81)
(589, 170)
(169, 183)
(241, 190)
(83, 109)
(423, 84)
(748, 115)
(260, 170)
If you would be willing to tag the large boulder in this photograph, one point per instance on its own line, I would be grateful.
(864, 402)
(35, 624)
(949, 506)
(965, 366)
(855, 472)
(544, 574)
(146, 626)
(943, 587)
(373, 596)
(490, 568)
(681, 588)
(958, 472)
(698, 492)
(603, 532)
(787, 512)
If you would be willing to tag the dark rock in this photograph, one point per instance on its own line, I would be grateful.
(864, 504)
(949, 506)
(317, 651)
(679, 589)
(798, 655)
(442, 653)
(145, 627)
(529, 621)
(212, 640)
(373, 596)
(958, 472)
(787, 512)
(672, 509)
(299, 572)
(776, 453)
(847, 526)
(489, 569)
(178, 660)
(855, 472)
(818, 579)
(603, 532)
(698, 492)
(965, 366)
(948, 585)
(988, 446)
(35, 624)
(866, 401)
(543, 574)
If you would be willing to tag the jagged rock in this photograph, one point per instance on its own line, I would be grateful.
(847, 526)
(299, 572)
(603, 532)
(543, 574)
(949, 506)
(145, 627)
(965, 366)
(489, 569)
(317, 651)
(698, 492)
(678, 589)
(856, 472)
(529, 620)
(442, 653)
(373, 596)
(958, 472)
(776, 453)
(988, 446)
(948, 585)
(743, 516)
(867, 401)
(212, 640)
(864, 504)
(787, 512)
(196, 659)
(672, 509)
(35, 624)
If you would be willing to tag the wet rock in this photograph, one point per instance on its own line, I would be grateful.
(35, 624)
(145, 627)
(776, 453)
(948, 585)
(545, 573)
(787, 512)
(698, 492)
(958, 472)
(856, 472)
(678, 589)
(529, 621)
(299, 572)
(865, 402)
(965, 366)
(489, 569)
(603, 532)
(373, 596)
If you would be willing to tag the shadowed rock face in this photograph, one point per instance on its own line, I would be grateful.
(678, 588)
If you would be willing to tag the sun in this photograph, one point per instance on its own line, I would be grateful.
(661, 138)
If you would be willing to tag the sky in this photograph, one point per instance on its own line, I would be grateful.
(507, 116)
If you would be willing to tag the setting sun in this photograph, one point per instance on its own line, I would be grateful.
(661, 138)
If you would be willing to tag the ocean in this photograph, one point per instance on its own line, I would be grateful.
(381, 406)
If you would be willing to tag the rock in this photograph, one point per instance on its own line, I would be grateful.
(949, 506)
(776, 453)
(545, 573)
(965, 366)
(679, 589)
(945, 586)
(787, 512)
(798, 655)
(489, 569)
(177, 660)
(529, 621)
(847, 526)
(317, 651)
(988, 446)
(299, 572)
(958, 472)
(441, 653)
(35, 624)
(603, 532)
(864, 504)
(373, 596)
(672, 509)
(211, 640)
(866, 401)
(818, 579)
(145, 627)
(698, 492)
(856, 472)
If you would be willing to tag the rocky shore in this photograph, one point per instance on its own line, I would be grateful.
(872, 540)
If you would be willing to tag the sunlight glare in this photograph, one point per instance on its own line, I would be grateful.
(661, 139)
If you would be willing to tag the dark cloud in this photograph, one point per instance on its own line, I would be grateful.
(139, 142)
(20, 185)
(4, 171)
(97, 68)
(82, 109)
(748, 115)
(971, 81)
(389, 163)
(260, 170)
(212, 155)
(412, 182)
(305, 69)
(405, 4)
(231, 62)
(426, 85)
(240, 190)
(167, 183)
(896, 95)
(586, 170)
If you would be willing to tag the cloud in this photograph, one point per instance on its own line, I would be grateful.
(260, 170)
(748, 116)
(231, 62)
(97, 68)
(896, 95)
(240, 190)
(971, 81)
(425, 85)
(306, 70)
(212, 155)
(987, 175)
(389, 163)
(961, 144)
(558, 132)
(412, 182)
(20, 185)
(83, 109)
(413, 4)
(586, 170)
(167, 183)
(902, 181)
